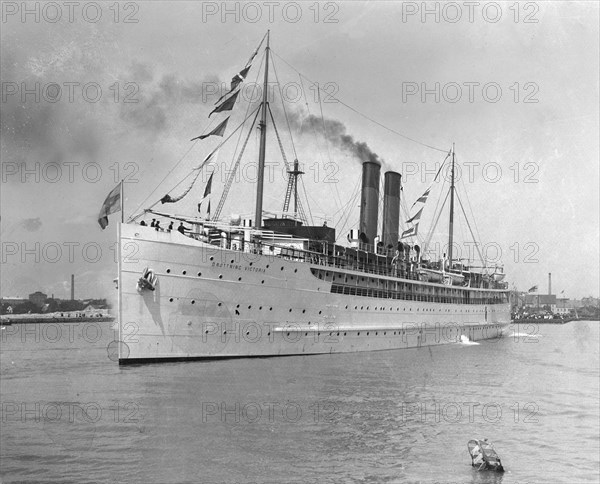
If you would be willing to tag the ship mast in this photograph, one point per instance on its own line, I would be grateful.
(451, 225)
(263, 140)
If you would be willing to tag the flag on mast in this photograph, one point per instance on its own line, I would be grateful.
(218, 131)
(208, 185)
(410, 232)
(226, 106)
(169, 199)
(533, 289)
(422, 198)
(236, 81)
(206, 193)
(416, 216)
(111, 204)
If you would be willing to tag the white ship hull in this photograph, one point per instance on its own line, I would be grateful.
(216, 303)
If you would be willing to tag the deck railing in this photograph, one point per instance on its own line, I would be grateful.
(332, 256)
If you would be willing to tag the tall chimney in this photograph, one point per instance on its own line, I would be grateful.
(549, 283)
(391, 208)
(72, 287)
(369, 200)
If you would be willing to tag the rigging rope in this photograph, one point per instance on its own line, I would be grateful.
(359, 113)
(483, 262)
(287, 166)
(233, 171)
(350, 205)
(432, 228)
(190, 173)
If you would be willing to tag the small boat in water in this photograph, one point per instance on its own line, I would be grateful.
(484, 456)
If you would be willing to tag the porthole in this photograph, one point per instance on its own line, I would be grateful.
(376, 333)
(193, 302)
(171, 299)
(262, 282)
(269, 334)
(220, 276)
(199, 274)
(220, 304)
(358, 334)
(320, 312)
(260, 308)
(184, 273)
(251, 263)
(290, 310)
(168, 271)
(281, 267)
(344, 334)
(250, 307)
(270, 309)
(240, 279)
(224, 332)
(367, 333)
(267, 266)
(206, 332)
(303, 311)
(212, 258)
(295, 270)
(232, 261)
(346, 306)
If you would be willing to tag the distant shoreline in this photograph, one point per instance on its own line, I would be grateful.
(40, 318)
(550, 321)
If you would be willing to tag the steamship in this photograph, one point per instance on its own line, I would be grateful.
(265, 286)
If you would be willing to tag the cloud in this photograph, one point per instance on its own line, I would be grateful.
(32, 224)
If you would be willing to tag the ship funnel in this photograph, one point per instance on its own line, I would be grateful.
(391, 209)
(368, 201)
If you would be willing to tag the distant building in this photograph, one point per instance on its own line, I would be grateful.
(13, 301)
(589, 301)
(38, 298)
(563, 311)
(541, 300)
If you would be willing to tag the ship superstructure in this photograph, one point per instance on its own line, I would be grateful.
(276, 285)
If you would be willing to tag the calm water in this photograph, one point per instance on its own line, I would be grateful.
(71, 415)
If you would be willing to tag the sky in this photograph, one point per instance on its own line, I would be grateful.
(108, 91)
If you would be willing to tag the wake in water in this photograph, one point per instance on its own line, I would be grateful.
(464, 340)
(524, 335)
